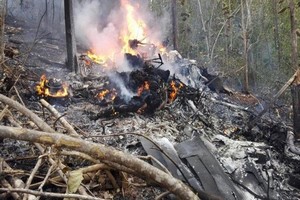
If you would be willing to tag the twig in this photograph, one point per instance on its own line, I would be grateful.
(162, 195)
(38, 121)
(29, 180)
(17, 79)
(6, 184)
(17, 92)
(16, 182)
(40, 188)
(112, 179)
(62, 120)
(58, 118)
(50, 194)
(104, 153)
(3, 112)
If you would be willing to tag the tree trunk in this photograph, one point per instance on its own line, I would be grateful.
(293, 35)
(296, 84)
(2, 25)
(276, 33)
(204, 28)
(246, 47)
(70, 36)
(296, 109)
(174, 24)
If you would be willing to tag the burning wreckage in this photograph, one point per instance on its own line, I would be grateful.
(185, 119)
(152, 89)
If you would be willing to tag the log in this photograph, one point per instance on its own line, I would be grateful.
(70, 36)
(101, 152)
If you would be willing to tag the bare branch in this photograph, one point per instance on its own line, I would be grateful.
(99, 151)
(50, 194)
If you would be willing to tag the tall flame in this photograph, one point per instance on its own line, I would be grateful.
(134, 28)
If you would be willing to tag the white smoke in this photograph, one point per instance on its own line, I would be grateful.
(99, 26)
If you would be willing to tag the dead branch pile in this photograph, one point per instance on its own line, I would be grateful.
(52, 145)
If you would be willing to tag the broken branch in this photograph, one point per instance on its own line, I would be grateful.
(99, 151)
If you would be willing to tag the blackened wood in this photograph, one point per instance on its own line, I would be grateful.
(296, 109)
(70, 36)
(174, 24)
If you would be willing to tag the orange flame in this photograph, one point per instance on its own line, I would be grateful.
(175, 90)
(102, 94)
(135, 29)
(107, 94)
(43, 90)
(96, 58)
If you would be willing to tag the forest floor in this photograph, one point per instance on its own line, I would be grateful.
(219, 119)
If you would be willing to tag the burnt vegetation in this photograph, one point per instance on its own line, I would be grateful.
(118, 109)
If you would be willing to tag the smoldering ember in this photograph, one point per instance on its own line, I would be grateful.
(149, 100)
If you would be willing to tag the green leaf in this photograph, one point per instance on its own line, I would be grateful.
(74, 181)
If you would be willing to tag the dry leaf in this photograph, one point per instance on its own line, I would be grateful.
(74, 181)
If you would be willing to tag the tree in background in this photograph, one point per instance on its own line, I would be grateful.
(2, 25)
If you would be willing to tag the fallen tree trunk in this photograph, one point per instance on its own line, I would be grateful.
(103, 153)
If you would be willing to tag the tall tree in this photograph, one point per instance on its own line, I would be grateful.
(2, 25)
(276, 32)
(245, 24)
(293, 34)
(70, 36)
(174, 24)
(203, 27)
(296, 83)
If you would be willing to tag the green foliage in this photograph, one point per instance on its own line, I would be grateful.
(268, 31)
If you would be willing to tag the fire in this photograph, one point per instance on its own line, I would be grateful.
(107, 94)
(43, 89)
(100, 59)
(143, 87)
(135, 29)
(134, 33)
(102, 94)
(174, 90)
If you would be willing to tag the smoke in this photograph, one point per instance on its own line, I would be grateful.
(100, 27)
